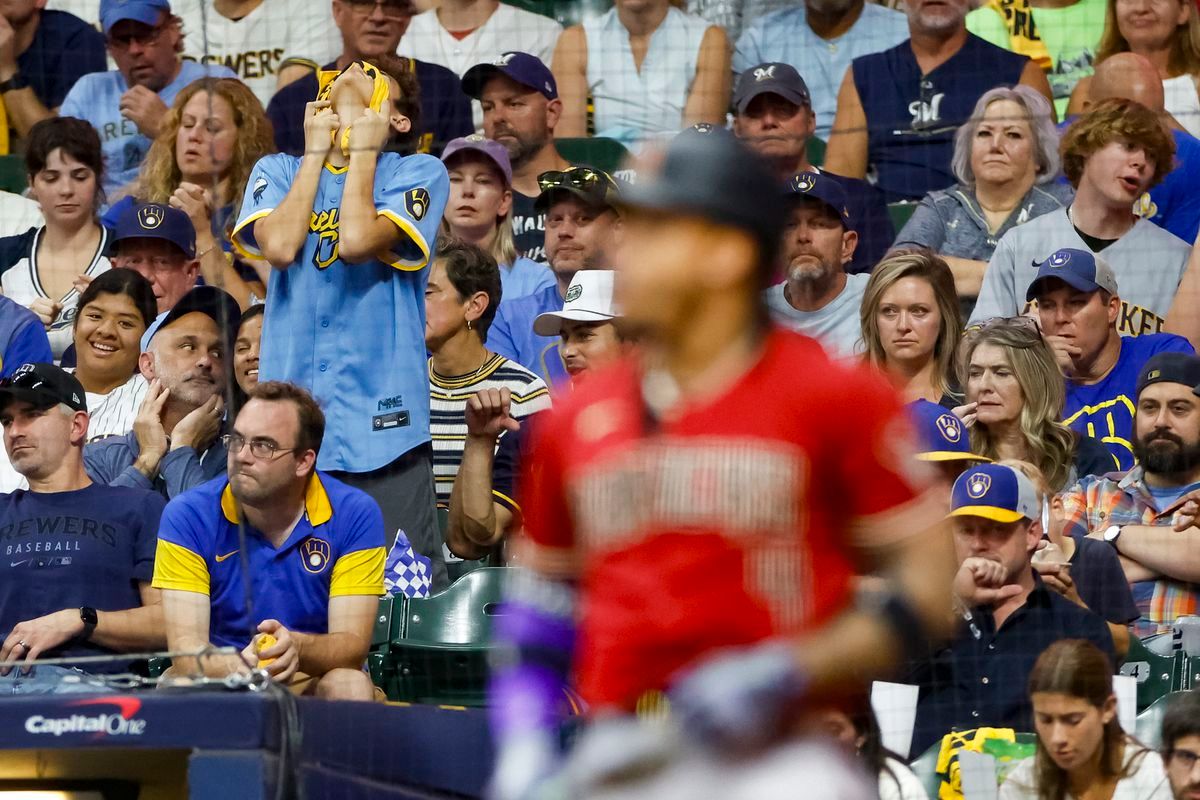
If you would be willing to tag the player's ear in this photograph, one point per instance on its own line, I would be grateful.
(400, 123)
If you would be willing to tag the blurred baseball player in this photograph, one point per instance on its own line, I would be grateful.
(695, 519)
(349, 230)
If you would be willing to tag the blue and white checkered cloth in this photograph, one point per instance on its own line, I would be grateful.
(406, 573)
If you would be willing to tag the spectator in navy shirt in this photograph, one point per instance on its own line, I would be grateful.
(42, 54)
(77, 557)
(773, 114)
(371, 30)
(1008, 615)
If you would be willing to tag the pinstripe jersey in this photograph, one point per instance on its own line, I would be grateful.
(447, 411)
(112, 414)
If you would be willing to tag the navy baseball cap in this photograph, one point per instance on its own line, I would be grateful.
(823, 188)
(43, 386)
(521, 67)
(996, 492)
(774, 77)
(216, 303)
(594, 187)
(1079, 269)
(1170, 368)
(156, 221)
(943, 436)
(146, 12)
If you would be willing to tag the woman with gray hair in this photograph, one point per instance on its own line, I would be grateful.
(1006, 160)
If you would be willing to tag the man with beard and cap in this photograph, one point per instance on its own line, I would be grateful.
(1148, 515)
(1181, 745)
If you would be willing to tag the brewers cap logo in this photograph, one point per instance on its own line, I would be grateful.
(416, 203)
(703, 127)
(573, 293)
(977, 485)
(150, 217)
(475, 137)
(804, 182)
(260, 186)
(503, 60)
(950, 427)
(1060, 258)
(315, 553)
(764, 73)
(1151, 375)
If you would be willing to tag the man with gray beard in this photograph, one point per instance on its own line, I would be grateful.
(1149, 514)
(818, 298)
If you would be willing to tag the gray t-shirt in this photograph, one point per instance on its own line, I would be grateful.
(836, 326)
(1148, 262)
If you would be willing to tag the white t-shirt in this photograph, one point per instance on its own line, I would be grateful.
(256, 46)
(905, 785)
(18, 214)
(836, 326)
(1148, 780)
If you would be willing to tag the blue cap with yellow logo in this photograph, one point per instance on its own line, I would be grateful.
(943, 436)
(996, 492)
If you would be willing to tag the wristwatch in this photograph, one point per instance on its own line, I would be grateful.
(1111, 534)
(17, 81)
(89, 617)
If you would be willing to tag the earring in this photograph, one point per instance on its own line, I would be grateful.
(468, 324)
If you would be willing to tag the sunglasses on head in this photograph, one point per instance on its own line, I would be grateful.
(582, 178)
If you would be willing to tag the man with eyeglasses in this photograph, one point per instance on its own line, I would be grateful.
(174, 446)
(127, 105)
(582, 228)
(42, 54)
(1181, 745)
(76, 557)
(311, 548)
(372, 29)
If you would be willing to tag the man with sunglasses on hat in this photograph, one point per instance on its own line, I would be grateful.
(76, 557)
(653, 507)
(349, 231)
(311, 547)
(1078, 305)
(582, 228)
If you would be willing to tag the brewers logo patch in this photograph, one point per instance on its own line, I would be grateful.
(978, 485)
(416, 203)
(950, 427)
(315, 553)
(765, 73)
(150, 217)
(1059, 259)
(804, 182)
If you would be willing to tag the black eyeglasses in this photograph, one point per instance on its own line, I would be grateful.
(1186, 759)
(144, 38)
(585, 179)
(259, 448)
(390, 8)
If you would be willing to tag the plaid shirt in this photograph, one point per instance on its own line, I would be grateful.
(1095, 503)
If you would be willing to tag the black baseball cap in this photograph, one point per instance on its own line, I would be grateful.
(774, 77)
(1170, 368)
(821, 188)
(716, 178)
(156, 221)
(525, 69)
(43, 386)
(218, 304)
(593, 186)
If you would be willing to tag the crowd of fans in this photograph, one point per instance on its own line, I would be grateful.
(992, 208)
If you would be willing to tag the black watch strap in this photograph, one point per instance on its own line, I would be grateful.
(17, 81)
(90, 618)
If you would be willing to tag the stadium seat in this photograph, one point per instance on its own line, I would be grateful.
(1156, 674)
(816, 151)
(1149, 723)
(13, 176)
(567, 12)
(594, 151)
(901, 212)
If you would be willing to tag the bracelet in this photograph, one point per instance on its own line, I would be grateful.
(17, 81)
(206, 251)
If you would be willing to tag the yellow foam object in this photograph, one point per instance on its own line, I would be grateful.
(264, 642)
(379, 95)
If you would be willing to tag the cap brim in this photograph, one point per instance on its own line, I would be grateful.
(550, 323)
(153, 234)
(32, 396)
(988, 512)
(950, 455)
(784, 92)
(1069, 278)
(543, 200)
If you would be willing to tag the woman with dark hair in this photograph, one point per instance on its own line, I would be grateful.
(859, 733)
(246, 346)
(1082, 752)
(46, 268)
(114, 312)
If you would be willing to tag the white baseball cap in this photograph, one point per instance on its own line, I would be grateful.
(589, 299)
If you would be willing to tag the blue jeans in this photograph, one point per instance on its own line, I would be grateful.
(48, 679)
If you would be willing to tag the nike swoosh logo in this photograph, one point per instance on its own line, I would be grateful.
(227, 555)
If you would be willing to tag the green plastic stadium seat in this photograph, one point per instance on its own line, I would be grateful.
(13, 176)
(816, 151)
(1156, 674)
(594, 151)
(1149, 723)
(901, 212)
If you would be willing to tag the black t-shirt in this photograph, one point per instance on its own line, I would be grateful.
(1100, 581)
(64, 48)
(529, 228)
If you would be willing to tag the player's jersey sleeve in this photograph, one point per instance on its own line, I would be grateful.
(411, 191)
(359, 568)
(267, 186)
(180, 560)
(542, 490)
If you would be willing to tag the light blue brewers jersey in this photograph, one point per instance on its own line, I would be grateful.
(353, 334)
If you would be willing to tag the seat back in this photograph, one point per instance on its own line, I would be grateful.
(1156, 674)
(462, 614)
(816, 151)
(13, 175)
(594, 151)
(901, 212)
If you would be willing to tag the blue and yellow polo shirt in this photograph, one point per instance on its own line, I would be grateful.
(337, 548)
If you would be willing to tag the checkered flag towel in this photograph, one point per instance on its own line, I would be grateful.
(406, 573)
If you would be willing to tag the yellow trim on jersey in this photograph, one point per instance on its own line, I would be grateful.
(414, 235)
(487, 369)
(245, 249)
(505, 500)
(316, 503)
(337, 170)
(358, 573)
(176, 567)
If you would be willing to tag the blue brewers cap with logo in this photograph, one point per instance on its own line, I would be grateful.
(943, 436)
(823, 188)
(523, 68)
(1079, 269)
(156, 221)
(996, 492)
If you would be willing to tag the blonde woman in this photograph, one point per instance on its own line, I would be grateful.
(199, 163)
(1015, 394)
(911, 325)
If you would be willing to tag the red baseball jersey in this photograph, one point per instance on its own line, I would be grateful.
(729, 522)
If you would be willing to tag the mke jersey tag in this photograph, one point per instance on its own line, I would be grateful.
(383, 422)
